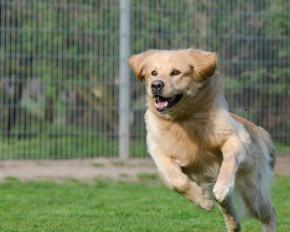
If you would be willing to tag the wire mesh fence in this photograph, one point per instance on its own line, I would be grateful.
(59, 68)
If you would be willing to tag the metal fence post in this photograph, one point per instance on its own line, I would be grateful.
(124, 88)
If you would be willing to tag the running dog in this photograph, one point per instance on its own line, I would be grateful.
(201, 150)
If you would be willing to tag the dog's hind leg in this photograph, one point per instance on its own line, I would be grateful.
(259, 205)
(270, 225)
(230, 217)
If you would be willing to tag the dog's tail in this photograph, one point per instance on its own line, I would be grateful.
(267, 140)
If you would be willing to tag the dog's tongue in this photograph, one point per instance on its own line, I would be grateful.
(161, 104)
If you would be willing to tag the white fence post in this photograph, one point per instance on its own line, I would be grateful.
(124, 75)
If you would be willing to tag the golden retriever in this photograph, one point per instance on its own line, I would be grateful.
(201, 150)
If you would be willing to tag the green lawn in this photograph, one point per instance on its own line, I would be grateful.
(107, 206)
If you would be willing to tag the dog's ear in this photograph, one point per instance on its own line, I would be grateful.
(203, 63)
(137, 63)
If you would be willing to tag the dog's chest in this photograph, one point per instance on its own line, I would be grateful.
(176, 145)
(173, 141)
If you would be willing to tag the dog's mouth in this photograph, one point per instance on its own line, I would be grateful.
(165, 103)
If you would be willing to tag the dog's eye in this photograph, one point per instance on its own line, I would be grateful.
(175, 72)
(154, 73)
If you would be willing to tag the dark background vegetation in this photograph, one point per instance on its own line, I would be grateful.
(59, 68)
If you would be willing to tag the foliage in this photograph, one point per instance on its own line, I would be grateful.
(59, 59)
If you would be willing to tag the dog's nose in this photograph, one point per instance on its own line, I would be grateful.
(157, 85)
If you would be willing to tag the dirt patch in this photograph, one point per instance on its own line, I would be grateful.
(282, 166)
(85, 170)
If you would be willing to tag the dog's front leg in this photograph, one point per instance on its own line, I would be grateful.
(233, 153)
(172, 174)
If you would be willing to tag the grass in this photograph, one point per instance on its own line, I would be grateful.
(107, 207)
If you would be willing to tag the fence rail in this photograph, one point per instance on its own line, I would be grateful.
(64, 83)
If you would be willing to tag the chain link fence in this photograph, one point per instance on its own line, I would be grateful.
(59, 68)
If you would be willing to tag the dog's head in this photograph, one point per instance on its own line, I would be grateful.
(173, 78)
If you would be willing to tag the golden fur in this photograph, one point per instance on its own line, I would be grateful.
(201, 150)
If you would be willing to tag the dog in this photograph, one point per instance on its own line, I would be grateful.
(201, 150)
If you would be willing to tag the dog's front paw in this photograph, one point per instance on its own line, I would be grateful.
(204, 201)
(206, 204)
(221, 191)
